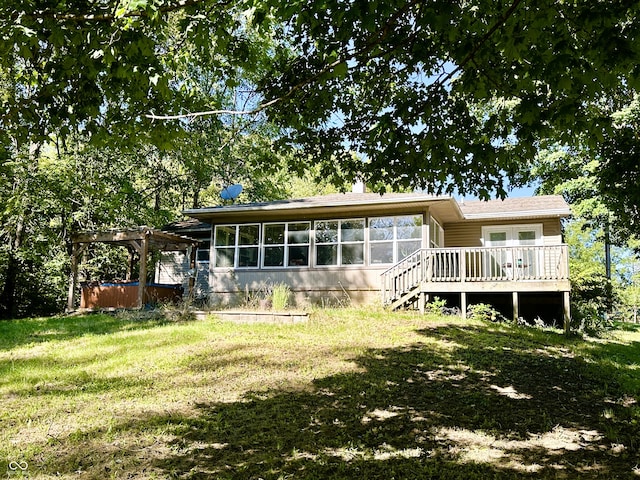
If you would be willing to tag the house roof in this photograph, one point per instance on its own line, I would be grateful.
(334, 205)
(343, 205)
(516, 208)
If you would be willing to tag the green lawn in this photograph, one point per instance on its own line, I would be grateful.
(352, 394)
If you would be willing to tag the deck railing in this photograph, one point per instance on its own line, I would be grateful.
(475, 264)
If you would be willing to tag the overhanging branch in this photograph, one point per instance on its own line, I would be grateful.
(376, 39)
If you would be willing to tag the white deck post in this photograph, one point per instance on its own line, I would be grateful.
(463, 304)
(567, 312)
(516, 312)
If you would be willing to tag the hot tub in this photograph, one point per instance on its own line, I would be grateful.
(125, 294)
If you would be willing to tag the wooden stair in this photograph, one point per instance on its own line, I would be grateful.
(408, 298)
(402, 283)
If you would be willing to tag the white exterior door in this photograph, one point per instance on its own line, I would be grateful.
(513, 253)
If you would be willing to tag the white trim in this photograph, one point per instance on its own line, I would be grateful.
(236, 247)
(286, 245)
(339, 243)
(549, 213)
(511, 231)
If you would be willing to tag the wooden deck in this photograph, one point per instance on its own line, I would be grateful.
(476, 270)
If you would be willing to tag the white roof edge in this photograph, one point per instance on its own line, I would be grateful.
(556, 212)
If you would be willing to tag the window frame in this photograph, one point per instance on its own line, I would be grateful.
(512, 233)
(340, 242)
(439, 231)
(395, 241)
(287, 245)
(236, 247)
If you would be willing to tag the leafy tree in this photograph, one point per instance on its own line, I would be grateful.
(439, 94)
(577, 174)
(618, 175)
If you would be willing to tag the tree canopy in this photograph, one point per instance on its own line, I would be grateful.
(437, 95)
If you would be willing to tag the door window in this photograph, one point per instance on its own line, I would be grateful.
(518, 259)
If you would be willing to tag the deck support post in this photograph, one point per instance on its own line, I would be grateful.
(566, 306)
(422, 302)
(516, 312)
(463, 304)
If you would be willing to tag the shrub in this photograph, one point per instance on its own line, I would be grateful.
(484, 312)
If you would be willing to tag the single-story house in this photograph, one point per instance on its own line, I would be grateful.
(400, 249)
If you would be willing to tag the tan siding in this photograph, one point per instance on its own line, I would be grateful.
(469, 234)
(552, 231)
(308, 285)
(463, 235)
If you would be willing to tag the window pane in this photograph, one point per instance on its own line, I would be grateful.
(353, 254)
(202, 255)
(527, 238)
(274, 234)
(326, 255)
(498, 239)
(202, 252)
(381, 228)
(435, 233)
(248, 257)
(225, 257)
(249, 235)
(299, 232)
(382, 252)
(406, 248)
(409, 227)
(352, 230)
(327, 232)
(225, 235)
(273, 256)
(299, 256)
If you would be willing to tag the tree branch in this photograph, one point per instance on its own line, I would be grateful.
(376, 39)
(471, 55)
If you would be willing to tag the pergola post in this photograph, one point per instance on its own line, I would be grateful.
(73, 277)
(142, 279)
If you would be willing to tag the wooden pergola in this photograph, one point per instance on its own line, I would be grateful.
(140, 242)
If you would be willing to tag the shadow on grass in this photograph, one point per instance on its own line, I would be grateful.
(483, 403)
(15, 333)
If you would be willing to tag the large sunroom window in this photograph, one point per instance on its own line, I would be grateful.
(393, 238)
(339, 242)
(286, 244)
(237, 246)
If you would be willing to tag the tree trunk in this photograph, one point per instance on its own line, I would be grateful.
(8, 294)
